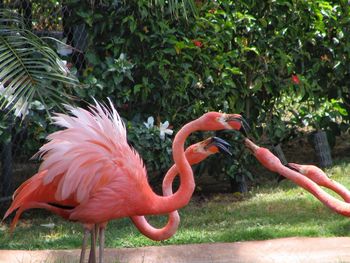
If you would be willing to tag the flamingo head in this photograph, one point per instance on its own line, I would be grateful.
(220, 121)
(201, 150)
(264, 156)
(310, 171)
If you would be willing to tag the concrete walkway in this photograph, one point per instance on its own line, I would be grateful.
(318, 250)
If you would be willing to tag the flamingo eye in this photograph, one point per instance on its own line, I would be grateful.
(195, 149)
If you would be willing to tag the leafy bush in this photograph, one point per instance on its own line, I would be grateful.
(29, 134)
(235, 168)
(153, 148)
(236, 56)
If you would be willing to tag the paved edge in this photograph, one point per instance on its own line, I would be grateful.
(295, 249)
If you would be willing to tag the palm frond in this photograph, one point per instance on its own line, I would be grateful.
(29, 67)
(176, 7)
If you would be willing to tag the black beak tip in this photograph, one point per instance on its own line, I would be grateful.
(222, 145)
(224, 150)
(221, 141)
(245, 128)
(290, 167)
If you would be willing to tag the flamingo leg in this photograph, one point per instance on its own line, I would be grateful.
(92, 256)
(102, 243)
(97, 229)
(83, 247)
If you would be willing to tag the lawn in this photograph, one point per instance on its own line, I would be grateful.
(269, 211)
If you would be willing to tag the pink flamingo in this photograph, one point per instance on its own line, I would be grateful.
(319, 177)
(196, 153)
(100, 177)
(272, 163)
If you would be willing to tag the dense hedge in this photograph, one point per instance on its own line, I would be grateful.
(264, 59)
(260, 58)
(237, 56)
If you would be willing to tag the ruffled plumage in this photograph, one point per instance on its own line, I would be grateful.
(89, 154)
(92, 141)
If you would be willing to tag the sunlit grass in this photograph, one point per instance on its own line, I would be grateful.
(270, 211)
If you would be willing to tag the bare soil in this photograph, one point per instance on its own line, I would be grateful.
(286, 250)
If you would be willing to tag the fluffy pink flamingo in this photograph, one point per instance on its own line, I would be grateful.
(99, 176)
(319, 177)
(272, 163)
(196, 153)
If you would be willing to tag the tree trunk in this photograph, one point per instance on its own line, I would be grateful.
(322, 149)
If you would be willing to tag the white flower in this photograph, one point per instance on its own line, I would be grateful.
(37, 105)
(163, 127)
(199, 85)
(63, 66)
(49, 225)
(2, 88)
(63, 49)
(6, 93)
(122, 56)
(149, 123)
(210, 79)
(21, 108)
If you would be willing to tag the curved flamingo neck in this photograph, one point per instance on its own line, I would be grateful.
(272, 163)
(173, 218)
(157, 234)
(166, 204)
(339, 189)
(336, 205)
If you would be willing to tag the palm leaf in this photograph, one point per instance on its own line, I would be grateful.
(29, 67)
(176, 7)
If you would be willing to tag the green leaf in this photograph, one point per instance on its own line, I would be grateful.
(28, 65)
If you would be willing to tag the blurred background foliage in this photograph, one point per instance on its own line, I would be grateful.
(283, 64)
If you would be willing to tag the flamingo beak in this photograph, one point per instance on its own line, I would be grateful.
(250, 145)
(221, 144)
(294, 167)
(245, 128)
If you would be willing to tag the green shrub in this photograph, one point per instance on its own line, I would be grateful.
(153, 148)
(236, 56)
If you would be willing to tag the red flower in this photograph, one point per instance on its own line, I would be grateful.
(295, 79)
(197, 43)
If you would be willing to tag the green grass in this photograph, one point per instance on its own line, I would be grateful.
(270, 211)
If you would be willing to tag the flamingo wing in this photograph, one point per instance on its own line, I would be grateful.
(93, 143)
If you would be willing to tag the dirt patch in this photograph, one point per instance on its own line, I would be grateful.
(296, 249)
(300, 150)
